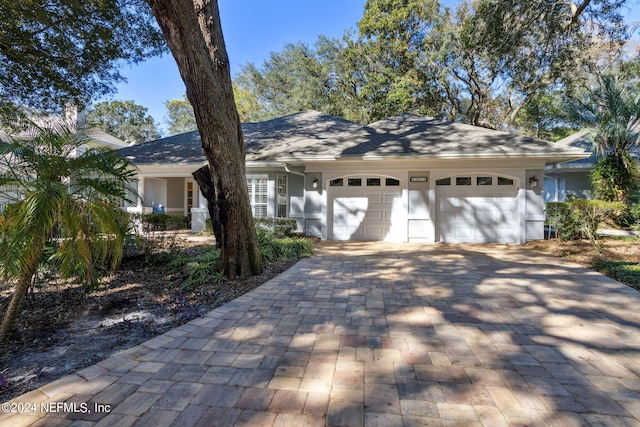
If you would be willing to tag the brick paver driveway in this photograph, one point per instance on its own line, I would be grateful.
(379, 334)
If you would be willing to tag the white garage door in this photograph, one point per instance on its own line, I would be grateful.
(366, 208)
(476, 209)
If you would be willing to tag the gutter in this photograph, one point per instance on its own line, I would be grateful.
(286, 168)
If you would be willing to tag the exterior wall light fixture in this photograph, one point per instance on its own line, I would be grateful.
(533, 181)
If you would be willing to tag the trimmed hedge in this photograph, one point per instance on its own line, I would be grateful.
(162, 222)
(278, 226)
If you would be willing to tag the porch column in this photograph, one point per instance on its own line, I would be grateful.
(140, 199)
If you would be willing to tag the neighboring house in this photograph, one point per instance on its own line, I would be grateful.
(571, 179)
(96, 138)
(406, 178)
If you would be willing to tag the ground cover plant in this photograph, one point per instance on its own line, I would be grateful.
(623, 271)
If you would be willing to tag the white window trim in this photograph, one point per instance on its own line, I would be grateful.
(253, 190)
(280, 197)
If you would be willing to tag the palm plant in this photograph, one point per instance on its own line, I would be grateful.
(58, 194)
(612, 112)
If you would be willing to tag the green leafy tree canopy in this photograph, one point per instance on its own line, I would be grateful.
(68, 51)
(180, 117)
(611, 110)
(125, 120)
(484, 63)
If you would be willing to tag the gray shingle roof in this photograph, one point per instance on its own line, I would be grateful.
(182, 148)
(412, 135)
(311, 135)
(583, 140)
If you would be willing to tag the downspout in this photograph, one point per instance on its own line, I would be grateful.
(556, 193)
(304, 189)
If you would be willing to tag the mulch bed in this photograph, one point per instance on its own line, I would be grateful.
(62, 328)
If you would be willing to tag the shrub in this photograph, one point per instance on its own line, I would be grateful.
(162, 222)
(278, 226)
(201, 268)
(275, 248)
(197, 269)
(561, 217)
(633, 216)
(577, 219)
(612, 180)
(623, 271)
(591, 213)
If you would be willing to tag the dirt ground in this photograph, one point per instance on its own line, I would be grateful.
(584, 253)
(63, 329)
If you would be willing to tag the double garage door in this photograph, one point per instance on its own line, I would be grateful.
(469, 209)
(476, 209)
(367, 208)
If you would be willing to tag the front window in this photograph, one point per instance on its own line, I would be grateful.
(282, 196)
(257, 185)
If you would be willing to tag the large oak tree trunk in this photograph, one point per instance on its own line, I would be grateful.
(194, 34)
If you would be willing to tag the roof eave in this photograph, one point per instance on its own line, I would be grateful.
(186, 165)
(560, 157)
(263, 163)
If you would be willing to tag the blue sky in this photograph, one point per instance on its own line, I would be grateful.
(253, 29)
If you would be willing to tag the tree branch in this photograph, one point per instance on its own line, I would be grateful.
(577, 11)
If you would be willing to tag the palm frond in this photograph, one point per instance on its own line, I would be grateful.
(67, 188)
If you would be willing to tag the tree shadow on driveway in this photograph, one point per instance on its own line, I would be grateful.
(482, 334)
(391, 334)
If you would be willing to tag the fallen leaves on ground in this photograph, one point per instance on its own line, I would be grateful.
(62, 328)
